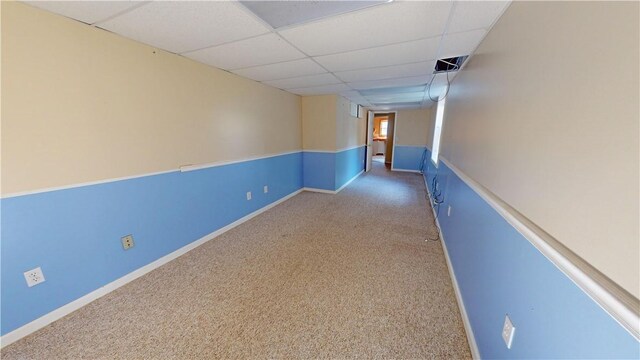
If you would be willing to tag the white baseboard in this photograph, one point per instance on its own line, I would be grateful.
(473, 346)
(319, 190)
(405, 170)
(350, 181)
(62, 311)
(333, 191)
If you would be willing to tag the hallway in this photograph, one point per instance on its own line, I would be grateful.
(318, 276)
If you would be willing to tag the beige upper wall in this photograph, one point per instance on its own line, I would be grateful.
(413, 127)
(350, 131)
(327, 124)
(81, 104)
(539, 117)
(319, 122)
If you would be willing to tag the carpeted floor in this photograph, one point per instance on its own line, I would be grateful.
(319, 276)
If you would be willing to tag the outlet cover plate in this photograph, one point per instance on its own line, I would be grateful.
(266, 189)
(34, 277)
(248, 195)
(127, 242)
(508, 330)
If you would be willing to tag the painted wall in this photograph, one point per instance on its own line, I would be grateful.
(351, 140)
(537, 115)
(350, 131)
(74, 234)
(82, 105)
(499, 272)
(334, 142)
(349, 164)
(319, 122)
(413, 128)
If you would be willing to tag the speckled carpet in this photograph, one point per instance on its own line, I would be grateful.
(318, 276)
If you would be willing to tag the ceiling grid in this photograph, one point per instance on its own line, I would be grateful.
(379, 54)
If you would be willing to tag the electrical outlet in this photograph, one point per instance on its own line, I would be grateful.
(248, 195)
(507, 331)
(266, 189)
(127, 242)
(449, 211)
(34, 277)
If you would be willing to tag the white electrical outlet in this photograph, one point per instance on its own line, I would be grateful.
(266, 189)
(248, 195)
(507, 331)
(449, 211)
(127, 242)
(34, 277)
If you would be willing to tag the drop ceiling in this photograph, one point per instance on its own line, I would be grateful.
(379, 54)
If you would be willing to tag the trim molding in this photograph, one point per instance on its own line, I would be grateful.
(319, 151)
(351, 148)
(333, 151)
(182, 168)
(64, 310)
(186, 168)
(78, 185)
(471, 339)
(611, 297)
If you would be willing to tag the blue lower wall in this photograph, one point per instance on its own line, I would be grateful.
(319, 170)
(74, 234)
(349, 163)
(500, 272)
(407, 157)
(331, 170)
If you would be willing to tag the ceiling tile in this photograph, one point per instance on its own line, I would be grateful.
(320, 90)
(387, 72)
(393, 90)
(356, 99)
(406, 97)
(376, 26)
(86, 11)
(284, 70)
(402, 81)
(305, 81)
(180, 26)
(351, 93)
(284, 13)
(471, 15)
(460, 43)
(260, 50)
(402, 53)
(397, 106)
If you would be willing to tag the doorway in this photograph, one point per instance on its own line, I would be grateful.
(380, 138)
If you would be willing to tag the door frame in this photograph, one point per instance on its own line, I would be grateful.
(395, 126)
(369, 142)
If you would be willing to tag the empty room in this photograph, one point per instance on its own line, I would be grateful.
(320, 179)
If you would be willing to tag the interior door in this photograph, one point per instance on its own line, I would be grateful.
(369, 151)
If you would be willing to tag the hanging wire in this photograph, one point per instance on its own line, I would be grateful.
(456, 67)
